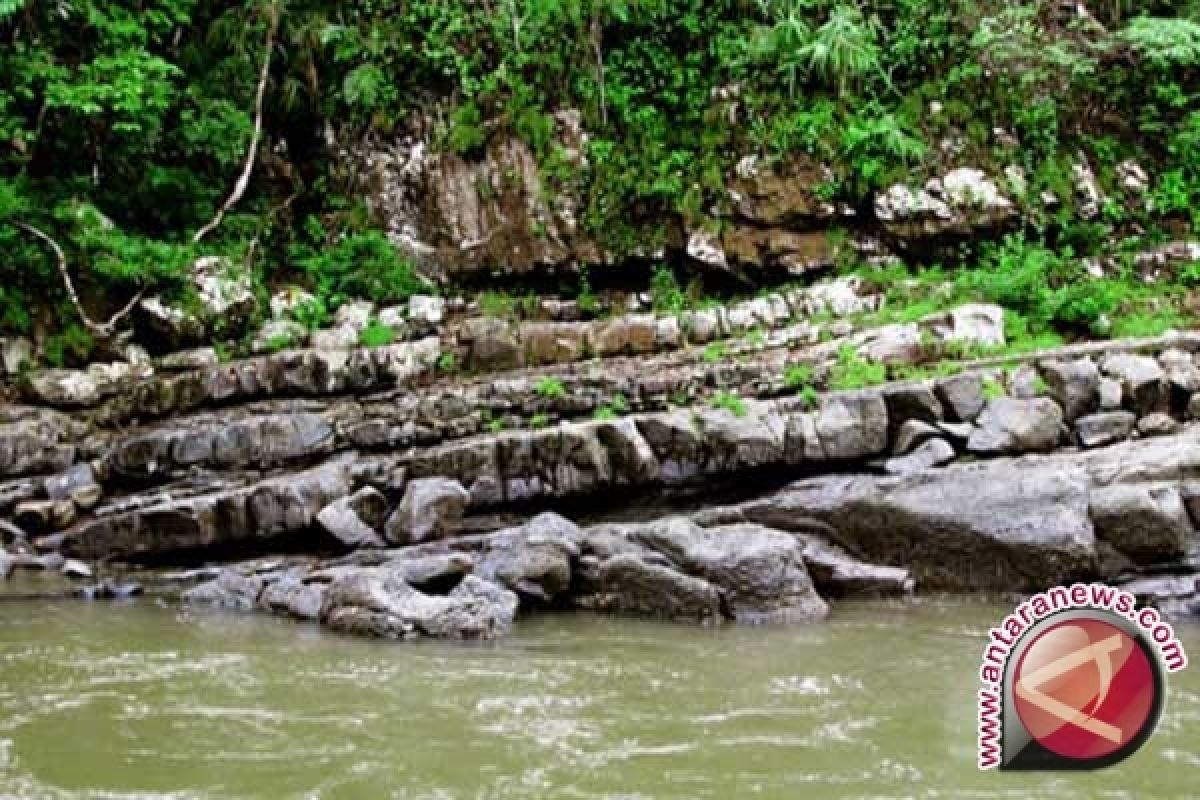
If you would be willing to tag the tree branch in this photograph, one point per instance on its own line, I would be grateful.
(104, 330)
(243, 180)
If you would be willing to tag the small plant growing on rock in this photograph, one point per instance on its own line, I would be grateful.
(376, 334)
(757, 337)
(714, 353)
(797, 376)
(729, 402)
(447, 362)
(279, 342)
(852, 371)
(808, 397)
(993, 389)
(615, 408)
(667, 296)
(550, 388)
(539, 421)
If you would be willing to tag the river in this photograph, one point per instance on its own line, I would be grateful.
(147, 701)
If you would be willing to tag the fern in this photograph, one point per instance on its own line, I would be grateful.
(1164, 42)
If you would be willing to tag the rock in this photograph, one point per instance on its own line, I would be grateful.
(778, 250)
(356, 520)
(1157, 424)
(426, 312)
(1012, 425)
(1132, 177)
(1087, 190)
(73, 568)
(286, 505)
(963, 201)
(674, 569)
(1193, 409)
(491, 344)
(231, 591)
(1024, 382)
(976, 324)
(1142, 380)
(836, 573)
(293, 597)
(851, 426)
(16, 352)
(912, 434)
(488, 212)
(1002, 524)
(1110, 394)
(280, 334)
(379, 603)
(1097, 430)
(535, 560)
(225, 295)
(779, 195)
(431, 508)
(286, 301)
(629, 335)
(342, 337)
(554, 342)
(628, 584)
(187, 360)
(1180, 370)
(705, 248)
(1145, 522)
(962, 396)
(1075, 385)
(932, 453)
(890, 344)
(77, 484)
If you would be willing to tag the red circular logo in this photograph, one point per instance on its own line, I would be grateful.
(1084, 689)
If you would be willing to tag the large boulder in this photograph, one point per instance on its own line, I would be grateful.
(1074, 384)
(431, 508)
(999, 525)
(1148, 523)
(1142, 380)
(1017, 425)
(379, 603)
(225, 302)
(355, 521)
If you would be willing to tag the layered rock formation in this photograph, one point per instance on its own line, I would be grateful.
(1076, 463)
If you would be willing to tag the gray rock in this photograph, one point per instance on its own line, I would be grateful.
(629, 584)
(1142, 380)
(851, 426)
(912, 434)
(492, 343)
(534, 560)
(379, 603)
(1148, 523)
(77, 484)
(1111, 394)
(836, 573)
(910, 402)
(279, 334)
(431, 508)
(73, 568)
(16, 352)
(1075, 385)
(1180, 371)
(962, 396)
(356, 520)
(1097, 430)
(933, 453)
(1003, 524)
(1157, 424)
(978, 324)
(231, 591)
(1025, 382)
(1012, 425)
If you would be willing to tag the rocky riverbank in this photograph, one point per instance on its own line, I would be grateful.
(614, 464)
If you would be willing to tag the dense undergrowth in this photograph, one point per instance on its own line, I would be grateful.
(124, 125)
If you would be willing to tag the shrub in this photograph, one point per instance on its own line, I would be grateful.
(376, 334)
(550, 388)
(852, 371)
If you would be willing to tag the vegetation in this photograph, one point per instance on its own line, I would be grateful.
(852, 371)
(550, 388)
(135, 136)
(376, 334)
(730, 402)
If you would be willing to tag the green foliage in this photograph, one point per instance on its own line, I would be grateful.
(714, 352)
(447, 362)
(730, 402)
(376, 334)
(550, 388)
(993, 389)
(666, 294)
(360, 265)
(538, 421)
(852, 371)
(797, 376)
(1164, 43)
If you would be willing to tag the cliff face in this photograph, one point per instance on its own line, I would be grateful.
(493, 212)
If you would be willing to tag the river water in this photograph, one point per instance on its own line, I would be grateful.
(145, 700)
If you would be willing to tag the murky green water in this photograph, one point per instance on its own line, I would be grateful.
(149, 701)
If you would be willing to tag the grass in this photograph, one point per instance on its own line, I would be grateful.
(376, 334)
(730, 402)
(550, 388)
(852, 371)
(797, 376)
